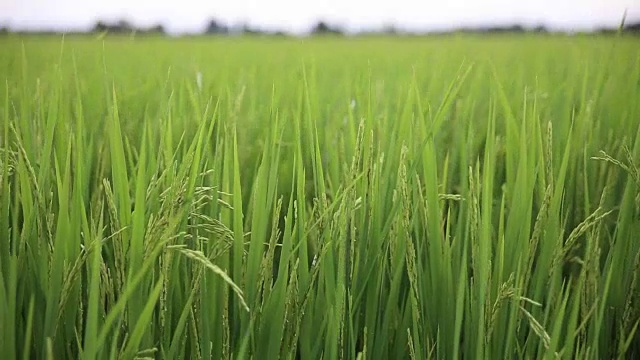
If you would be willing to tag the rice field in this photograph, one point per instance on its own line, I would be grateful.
(453, 197)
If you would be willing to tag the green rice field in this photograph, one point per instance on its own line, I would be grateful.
(445, 197)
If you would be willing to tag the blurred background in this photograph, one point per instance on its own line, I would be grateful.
(300, 18)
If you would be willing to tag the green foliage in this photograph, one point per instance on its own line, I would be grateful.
(453, 197)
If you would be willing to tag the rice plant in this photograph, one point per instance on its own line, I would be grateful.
(447, 197)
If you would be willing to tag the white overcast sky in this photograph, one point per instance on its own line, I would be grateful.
(298, 15)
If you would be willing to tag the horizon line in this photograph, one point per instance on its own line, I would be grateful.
(343, 27)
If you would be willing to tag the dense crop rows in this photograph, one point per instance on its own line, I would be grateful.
(453, 197)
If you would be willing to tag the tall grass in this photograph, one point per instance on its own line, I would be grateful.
(454, 197)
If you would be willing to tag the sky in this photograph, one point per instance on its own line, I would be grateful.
(297, 16)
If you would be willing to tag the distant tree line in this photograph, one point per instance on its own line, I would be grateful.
(320, 28)
(633, 28)
(126, 27)
(217, 28)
